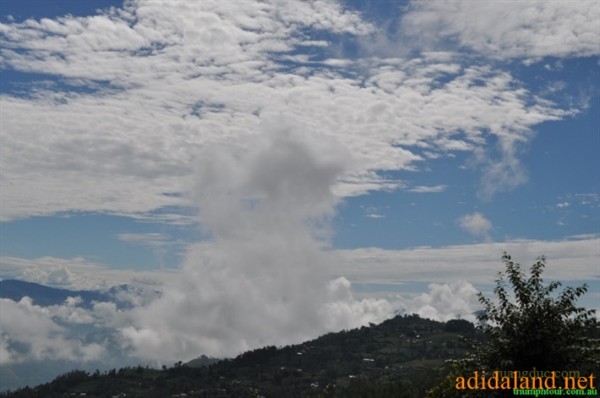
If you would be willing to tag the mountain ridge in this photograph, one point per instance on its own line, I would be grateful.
(399, 357)
(44, 295)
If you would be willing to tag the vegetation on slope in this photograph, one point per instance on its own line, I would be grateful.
(396, 358)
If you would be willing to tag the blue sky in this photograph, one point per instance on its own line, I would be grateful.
(413, 141)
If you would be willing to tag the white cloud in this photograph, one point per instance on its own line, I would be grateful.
(509, 29)
(120, 131)
(588, 199)
(5, 355)
(262, 278)
(428, 189)
(573, 259)
(147, 238)
(31, 332)
(475, 224)
(445, 301)
(374, 212)
(78, 273)
(342, 311)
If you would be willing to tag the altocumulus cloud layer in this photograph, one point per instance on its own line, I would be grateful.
(262, 278)
(136, 92)
(503, 30)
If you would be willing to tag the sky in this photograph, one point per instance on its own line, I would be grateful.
(282, 168)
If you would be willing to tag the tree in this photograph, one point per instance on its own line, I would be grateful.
(536, 327)
(530, 325)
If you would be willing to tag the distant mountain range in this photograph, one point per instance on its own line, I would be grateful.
(44, 295)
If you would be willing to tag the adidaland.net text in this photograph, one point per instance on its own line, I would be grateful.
(525, 380)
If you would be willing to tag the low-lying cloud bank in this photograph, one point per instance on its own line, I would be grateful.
(220, 306)
(188, 318)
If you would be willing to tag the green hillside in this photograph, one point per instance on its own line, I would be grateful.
(399, 357)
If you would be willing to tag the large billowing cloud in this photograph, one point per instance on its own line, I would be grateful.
(122, 102)
(262, 278)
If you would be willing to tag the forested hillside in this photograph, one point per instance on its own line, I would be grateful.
(399, 358)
